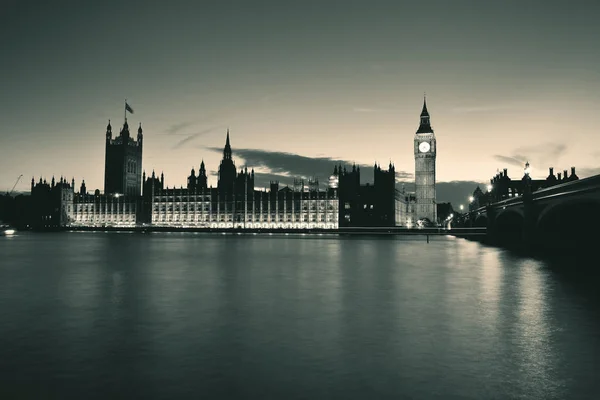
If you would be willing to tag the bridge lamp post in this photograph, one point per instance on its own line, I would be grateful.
(527, 169)
(490, 188)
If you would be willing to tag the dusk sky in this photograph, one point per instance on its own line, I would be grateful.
(300, 84)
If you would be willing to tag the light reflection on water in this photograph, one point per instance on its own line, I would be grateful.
(174, 315)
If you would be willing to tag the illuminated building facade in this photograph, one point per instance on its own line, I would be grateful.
(236, 204)
(102, 210)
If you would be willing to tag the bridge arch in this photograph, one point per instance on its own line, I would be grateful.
(481, 221)
(569, 224)
(508, 227)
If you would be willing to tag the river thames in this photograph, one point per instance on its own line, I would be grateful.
(188, 316)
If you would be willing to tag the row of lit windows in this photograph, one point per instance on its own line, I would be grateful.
(191, 209)
(230, 218)
(207, 202)
(104, 212)
(110, 217)
(91, 208)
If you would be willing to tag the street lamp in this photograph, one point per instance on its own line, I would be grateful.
(527, 169)
(461, 207)
(489, 188)
(471, 199)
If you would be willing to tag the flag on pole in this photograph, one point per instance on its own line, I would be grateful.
(128, 108)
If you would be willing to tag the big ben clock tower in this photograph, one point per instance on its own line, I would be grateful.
(425, 153)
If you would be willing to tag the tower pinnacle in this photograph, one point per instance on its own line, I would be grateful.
(425, 125)
(227, 149)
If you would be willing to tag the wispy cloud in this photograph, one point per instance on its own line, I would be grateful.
(543, 155)
(190, 137)
(517, 160)
(547, 150)
(174, 129)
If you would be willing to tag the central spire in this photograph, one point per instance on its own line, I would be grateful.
(227, 149)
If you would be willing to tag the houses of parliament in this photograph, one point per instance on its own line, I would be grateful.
(131, 198)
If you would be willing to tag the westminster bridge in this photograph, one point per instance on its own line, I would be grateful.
(563, 217)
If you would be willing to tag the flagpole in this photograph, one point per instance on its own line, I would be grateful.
(125, 112)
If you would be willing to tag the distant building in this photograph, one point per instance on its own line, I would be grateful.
(502, 187)
(123, 162)
(405, 209)
(376, 205)
(52, 203)
(425, 150)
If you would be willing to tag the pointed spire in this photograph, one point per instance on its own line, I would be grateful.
(425, 125)
(227, 149)
(108, 131)
(424, 112)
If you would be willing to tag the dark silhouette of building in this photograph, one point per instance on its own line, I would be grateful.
(502, 187)
(376, 205)
(123, 162)
(227, 171)
(51, 203)
(200, 182)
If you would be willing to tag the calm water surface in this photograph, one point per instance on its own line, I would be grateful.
(172, 316)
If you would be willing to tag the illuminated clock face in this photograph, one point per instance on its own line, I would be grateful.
(424, 147)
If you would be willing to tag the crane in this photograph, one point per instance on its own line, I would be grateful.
(15, 185)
